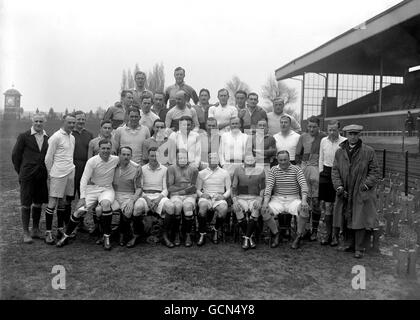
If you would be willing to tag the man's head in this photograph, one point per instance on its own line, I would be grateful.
(278, 106)
(353, 133)
(240, 98)
(80, 120)
(185, 124)
(252, 100)
(332, 128)
(211, 124)
(285, 123)
(140, 79)
(262, 125)
(105, 146)
(146, 101)
(134, 117)
(204, 96)
(181, 99)
(127, 98)
(106, 128)
(223, 96)
(152, 155)
(158, 100)
(69, 121)
(38, 121)
(249, 161)
(179, 74)
(235, 124)
(213, 160)
(313, 126)
(125, 153)
(182, 158)
(283, 159)
(159, 128)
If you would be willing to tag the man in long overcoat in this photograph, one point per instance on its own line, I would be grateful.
(355, 174)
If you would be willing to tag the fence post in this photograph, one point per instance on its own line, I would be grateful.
(383, 163)
(406, 174)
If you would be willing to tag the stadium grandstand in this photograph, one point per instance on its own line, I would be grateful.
(369, 74)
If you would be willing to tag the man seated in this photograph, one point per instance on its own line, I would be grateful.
(154, 196)
(247, 195)
(127, 187)
(213, 189)
(96, 187)
(284, 183)
(181, 185)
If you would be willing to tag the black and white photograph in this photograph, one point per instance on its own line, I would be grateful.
(207, 156)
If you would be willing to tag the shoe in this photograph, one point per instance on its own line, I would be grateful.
(107, 243)
(215, 237)
(133, 241)
(36, 234)
(334, 241)
(358, 254)
(27, 238)
(324, 242)
(245, 243)
(121, 241)
(188, 242)
(314, 236)
(296, 243)
(252, 243)
(349, 249)
(202, 239)
(99, 241)
(73, 234)
(166, 241)
(49, 238)
(275, 240)
(59, 234)
(62, 242)
(177, 241)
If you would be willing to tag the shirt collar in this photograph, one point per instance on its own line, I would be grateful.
(127, 127)
(64, 132)
(34, 132)
(157, 168)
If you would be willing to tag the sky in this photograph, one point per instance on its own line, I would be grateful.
(71, 54)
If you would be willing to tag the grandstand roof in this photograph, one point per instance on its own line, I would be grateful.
(393, 34)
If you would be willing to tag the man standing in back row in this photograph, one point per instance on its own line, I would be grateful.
(170, 92)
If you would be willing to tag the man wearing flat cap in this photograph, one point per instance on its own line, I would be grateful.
(355, 174)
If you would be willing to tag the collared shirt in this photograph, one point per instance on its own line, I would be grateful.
(251, 118)
(59, 157)
(93, 149)
(274, 123)
(171, 91)
(191, 143)
(161, 113)
(148, 119)
(287, 182)
(182, 177)
(127, 179)
(81, 147)
(248, 181)
(213, 181)
(134, 138)
(234, 147)
(98, 172)
(154, 179)
(327, 151)
(223, 114)
(174, 114)
(39, 136)
(288, 143)
(117, 114)
(162, 152)
(308, 147)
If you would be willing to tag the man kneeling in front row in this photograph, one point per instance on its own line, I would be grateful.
(96, 187)
(286, 180)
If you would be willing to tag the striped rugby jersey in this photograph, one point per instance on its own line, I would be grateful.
(285, 182)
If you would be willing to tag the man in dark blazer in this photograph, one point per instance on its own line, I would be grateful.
(28, 159)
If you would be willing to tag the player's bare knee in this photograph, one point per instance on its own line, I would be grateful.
(106, 205)
(169, 208)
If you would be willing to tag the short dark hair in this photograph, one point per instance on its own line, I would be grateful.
(140, 72)
(224, 89)
(283, 152)
(333, 123)
(211, 119)
(125, 92)
(241, 92)
(68, 115)
(125, 147)
(178, 69)
(186, 118)
(286, 116)
(104, 141)
(314, 119)
(133, 109)
(158, 120)
(152, 149)
(204, 90)
(253, 94)
(146, 95)
(105, 121)
(159, 92)
(76, 113)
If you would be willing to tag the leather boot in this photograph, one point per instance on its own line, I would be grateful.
(215, 236)
(107, 242)
(252, 225)
(167, 226)
(375, 242)
(188, 242)
(252, 243)
(328, 227)
(133, 241)
(296, 242)
(49, 237)
(202, 239)
(245, 243)
(334, 237)
(175, 231)
(275, 240)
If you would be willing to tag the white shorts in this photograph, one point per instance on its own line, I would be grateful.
(211, 203)
(289, 204)
(64, 186)
(191, 198)
(247, 204)
(121, 200)
(95, 194)
(153, 196)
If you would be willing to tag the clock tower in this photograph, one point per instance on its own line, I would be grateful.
(12, 104)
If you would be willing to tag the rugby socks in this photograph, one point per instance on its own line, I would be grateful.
(74, 221)
(272, 225)
(26, 217)
(301, 225)
(202, 223)
(67, 213)
(138, 225)
(176, 223)
(251, 227)
(219, 223)
(243, 225)
(106, 220)
(36, 217)
(188, 221)
(123, 226)
(49, 215)
(60, 216)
